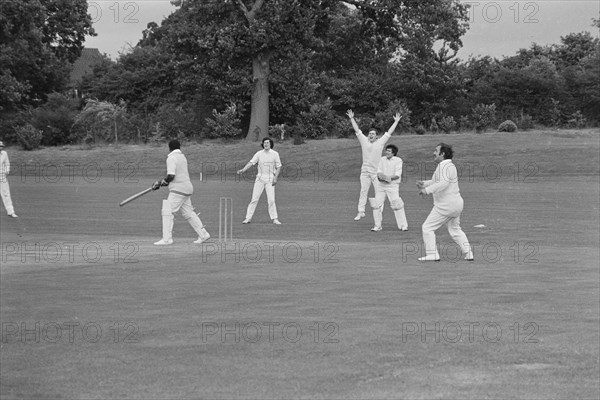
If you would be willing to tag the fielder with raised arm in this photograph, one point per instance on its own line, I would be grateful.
(372, 147)
(180, 193)
(447, 205)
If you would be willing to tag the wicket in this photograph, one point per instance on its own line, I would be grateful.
(225, 219)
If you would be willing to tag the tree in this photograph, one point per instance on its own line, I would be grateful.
(235, 43)
(38, 41)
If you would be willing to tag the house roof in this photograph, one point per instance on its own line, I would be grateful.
(84, 64)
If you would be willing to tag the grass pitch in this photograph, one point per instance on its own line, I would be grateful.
(319, 307)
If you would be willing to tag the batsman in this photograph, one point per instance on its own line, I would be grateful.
(180, 193)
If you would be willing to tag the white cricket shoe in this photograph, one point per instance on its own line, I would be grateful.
(430, 257)
(246, 221)
(202, 239)
(13, 215)
(359, 216)
(469, 256)
(163, 242)
(376, 229)
(276, 221)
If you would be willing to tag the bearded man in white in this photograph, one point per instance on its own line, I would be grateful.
(389, 173)
(372, 147)
(269, 166)
(447, 205)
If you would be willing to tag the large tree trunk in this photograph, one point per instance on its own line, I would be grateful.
(259, 114)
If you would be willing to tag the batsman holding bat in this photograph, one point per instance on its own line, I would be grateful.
(180, 192)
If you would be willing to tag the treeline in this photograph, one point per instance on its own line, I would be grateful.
(196, 76)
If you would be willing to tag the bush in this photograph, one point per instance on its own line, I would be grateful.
(277, 131)
(525, 122)
(29, 137)
(420, 130)
(464, 123)
(507, 126)
(319, 121)
(55, 119)
(483, 116)
(433, 126)
(225, 124)
(577, 120)
(447, 124)
(100, 119)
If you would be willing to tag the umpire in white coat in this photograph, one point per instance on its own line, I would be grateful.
(447, 205)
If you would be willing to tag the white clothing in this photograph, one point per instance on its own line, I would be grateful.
(389, 167)
(444, 187)
(434, 221)
(257, 190)
(180, 193)
(4, 187)
(371, 151)
(366, 180)
(177, 165)
(4, 165)
(447, 207)
(268, 163)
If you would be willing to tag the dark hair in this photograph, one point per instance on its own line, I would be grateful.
(447, 150)
(393, 147)
(174, 145)
(262, 142)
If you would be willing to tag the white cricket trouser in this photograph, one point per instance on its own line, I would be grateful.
(179, 202)
(5, 193)
(366, 180)
(391, 191)
(259, 187)
(433, 222)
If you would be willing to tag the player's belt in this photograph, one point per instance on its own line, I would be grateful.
(180, 193)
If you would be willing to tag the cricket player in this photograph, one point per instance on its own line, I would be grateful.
(269, 166)
(4, 188)
(372, 147)
(447, 205)
(180, 193)
(389, 173)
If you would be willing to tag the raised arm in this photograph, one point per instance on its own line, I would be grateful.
(357, 130)
(397, 119)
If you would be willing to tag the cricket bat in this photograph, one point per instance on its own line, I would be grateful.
(135, 196)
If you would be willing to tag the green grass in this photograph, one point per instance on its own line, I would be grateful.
(536, 193)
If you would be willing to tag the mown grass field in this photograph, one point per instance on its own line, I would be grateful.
(319, 307)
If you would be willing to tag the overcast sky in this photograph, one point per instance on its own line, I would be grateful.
(498, 28)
